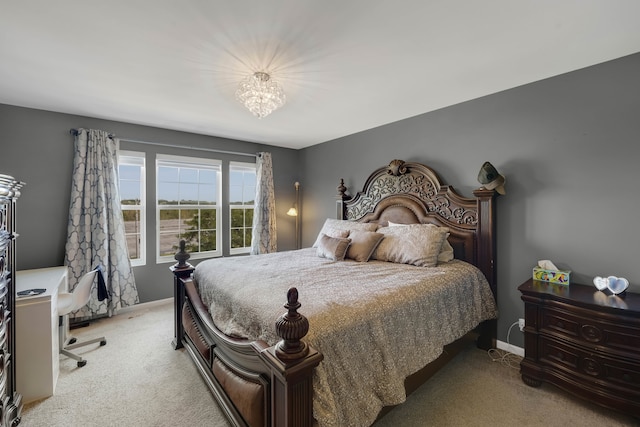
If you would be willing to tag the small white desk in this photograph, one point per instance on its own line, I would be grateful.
(37, 361)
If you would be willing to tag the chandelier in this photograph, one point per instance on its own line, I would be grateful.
(260, 94)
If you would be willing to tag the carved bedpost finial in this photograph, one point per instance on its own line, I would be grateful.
(292, 327)
(342, 190)
(182, 255)
(397, 168)
(342, 197)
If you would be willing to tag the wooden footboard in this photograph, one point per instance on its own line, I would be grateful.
(258, 385)
(255, 385)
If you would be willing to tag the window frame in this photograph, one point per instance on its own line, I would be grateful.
(240, 166)
(136, 158)
(195, 163)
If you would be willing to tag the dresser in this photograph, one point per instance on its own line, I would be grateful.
(584, 341)
(10, 400)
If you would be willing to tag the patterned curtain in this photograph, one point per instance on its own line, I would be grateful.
(95, 234)
(263, 237)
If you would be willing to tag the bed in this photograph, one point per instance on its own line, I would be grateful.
(293, 349)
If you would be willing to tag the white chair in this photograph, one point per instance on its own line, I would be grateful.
(71, 301)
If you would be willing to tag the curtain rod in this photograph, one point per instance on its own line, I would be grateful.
(162, 144)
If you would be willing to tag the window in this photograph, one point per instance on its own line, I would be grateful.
(187, 200)
(132, 202)
(242, 192)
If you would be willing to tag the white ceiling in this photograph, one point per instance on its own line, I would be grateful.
(345, 65)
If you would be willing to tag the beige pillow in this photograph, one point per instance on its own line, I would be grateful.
(337, 228)
(414, 244)
(363, 243)
(446, 252)
(334, 248)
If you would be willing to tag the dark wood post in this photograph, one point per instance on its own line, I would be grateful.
(181, 270)
(486, 241)
(342, 197)
(291, 362)
(486, 238)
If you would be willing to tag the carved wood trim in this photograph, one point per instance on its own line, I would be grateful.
(419, 181)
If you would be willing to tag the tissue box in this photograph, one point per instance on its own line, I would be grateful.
(560, 277)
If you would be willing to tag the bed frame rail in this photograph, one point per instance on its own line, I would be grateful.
(254, 384)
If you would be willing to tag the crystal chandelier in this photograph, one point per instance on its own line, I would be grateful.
(260, 94)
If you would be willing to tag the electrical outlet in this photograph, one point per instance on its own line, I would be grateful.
(521, 324)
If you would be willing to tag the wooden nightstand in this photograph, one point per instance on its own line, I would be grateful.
(584, 341)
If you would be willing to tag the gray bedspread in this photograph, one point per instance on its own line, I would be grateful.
(375, 323)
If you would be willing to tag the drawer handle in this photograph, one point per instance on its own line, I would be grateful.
(591, 333)
(591, 367)
(560, 356)
(560, 324)
(627, 378)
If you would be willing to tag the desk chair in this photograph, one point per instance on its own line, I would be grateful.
(71, 301)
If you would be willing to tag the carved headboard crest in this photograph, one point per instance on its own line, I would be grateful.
(416, 180)
(396, 168)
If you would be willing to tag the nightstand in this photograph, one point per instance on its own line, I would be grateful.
(584, 341)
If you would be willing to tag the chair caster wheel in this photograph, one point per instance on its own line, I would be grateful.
(72, 341)
(103, 342)
(82, 363)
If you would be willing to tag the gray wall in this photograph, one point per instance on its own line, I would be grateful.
(36, 147)
(569, 147)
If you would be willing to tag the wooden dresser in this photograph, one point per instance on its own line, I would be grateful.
(10, 400)
(584, 341)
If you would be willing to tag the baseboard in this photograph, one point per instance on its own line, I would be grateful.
(145, 305)
(510, 348)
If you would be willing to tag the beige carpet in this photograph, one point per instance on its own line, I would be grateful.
(138, 380)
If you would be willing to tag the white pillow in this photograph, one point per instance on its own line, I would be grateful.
(414, 244)
(446, 253)
(395, 224)
(338, 227)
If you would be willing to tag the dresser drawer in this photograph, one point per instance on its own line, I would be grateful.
(592, 331)
(596, 368)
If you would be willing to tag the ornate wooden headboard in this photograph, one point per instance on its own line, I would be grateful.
(407, 193)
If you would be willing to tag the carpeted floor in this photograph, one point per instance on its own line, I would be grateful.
(138, 380)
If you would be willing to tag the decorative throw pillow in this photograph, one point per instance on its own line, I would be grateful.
(412, 244)
(337, 228)
(363, 243)
(334, 248)
(446, 252)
